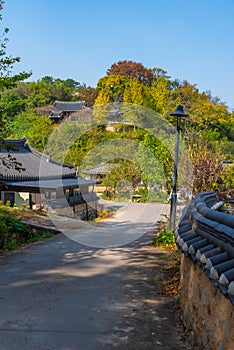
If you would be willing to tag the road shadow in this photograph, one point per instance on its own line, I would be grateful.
(58, 294)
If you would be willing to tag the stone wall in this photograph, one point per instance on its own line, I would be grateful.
(92, 210)
(64, 211)
(80, 211)
(207, 314)
(86, 211)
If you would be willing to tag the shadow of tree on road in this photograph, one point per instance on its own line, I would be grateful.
(58, 294)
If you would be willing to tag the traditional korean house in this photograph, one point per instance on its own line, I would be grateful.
(43, 182)
(62, 110)
(99, 172)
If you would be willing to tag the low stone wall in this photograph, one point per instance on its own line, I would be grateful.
(32, 227)
(92, 210)
(83, 211)
(207, 314)
(86, 211)
(80, 211)
(205, 236)
(64, 211)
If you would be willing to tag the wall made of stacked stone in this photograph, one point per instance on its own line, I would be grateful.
(207, 314)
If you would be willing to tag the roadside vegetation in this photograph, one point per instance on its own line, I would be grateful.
(13, 232)
(170, 276)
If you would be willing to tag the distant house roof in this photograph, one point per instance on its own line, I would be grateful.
(66, 106)
(36, 164)
(62, 108)
(56, 114)
(101, 169)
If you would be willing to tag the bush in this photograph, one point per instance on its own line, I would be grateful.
(165, 237)
(151, 196)
(11, 231)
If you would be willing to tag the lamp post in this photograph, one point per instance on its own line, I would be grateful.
(179, 114)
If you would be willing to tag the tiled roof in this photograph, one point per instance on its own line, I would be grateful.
(56, 114)
(51, 183)
(60, 107)
(101, 169)
(206, 235)
(36, 164)
(66, 106)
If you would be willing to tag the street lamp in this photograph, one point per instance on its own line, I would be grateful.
(179, 114)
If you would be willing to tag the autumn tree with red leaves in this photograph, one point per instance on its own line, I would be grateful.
(132, 69)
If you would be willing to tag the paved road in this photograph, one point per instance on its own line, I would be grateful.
(61, 295)
(131, 221)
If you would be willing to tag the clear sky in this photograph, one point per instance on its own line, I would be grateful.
(192, 40)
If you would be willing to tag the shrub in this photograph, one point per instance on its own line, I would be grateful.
(165, 237)
(152, 196)
(11, 231)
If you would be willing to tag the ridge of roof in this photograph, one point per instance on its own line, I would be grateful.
(47, 158)
(101, 168)
(70, 102)
(18, 142)
(69, 106)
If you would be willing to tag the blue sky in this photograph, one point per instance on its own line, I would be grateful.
(192, 40)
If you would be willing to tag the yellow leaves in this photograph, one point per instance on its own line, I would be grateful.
(134, 93)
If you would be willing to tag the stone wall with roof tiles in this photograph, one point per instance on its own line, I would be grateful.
(207, 314)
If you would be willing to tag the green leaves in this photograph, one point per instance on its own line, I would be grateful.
(165, 237)
(11, 230)
(156, 161)
(37, 129)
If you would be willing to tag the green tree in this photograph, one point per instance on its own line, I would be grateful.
(46, 90)
(113, 87)
(11, 105)
(37, 129)
(157, 162)
(135, 93)
(160, 95)
(110, 89)
(7, 80)
(122, 179)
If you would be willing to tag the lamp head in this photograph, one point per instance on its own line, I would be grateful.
(179, 112)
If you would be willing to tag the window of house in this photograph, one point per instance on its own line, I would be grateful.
(9, 197)
(76, 192)
(53, 195)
